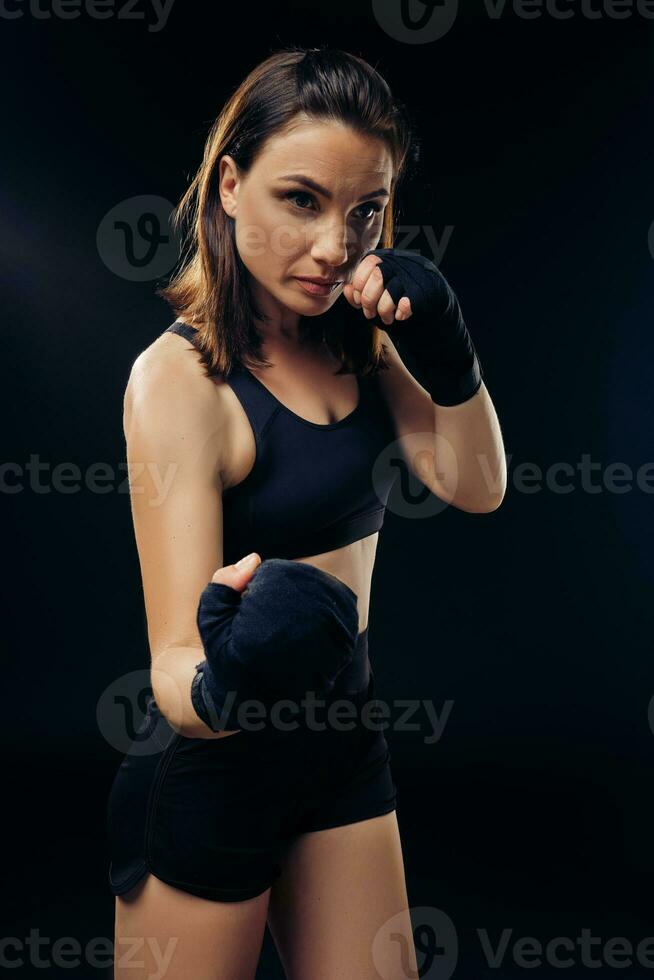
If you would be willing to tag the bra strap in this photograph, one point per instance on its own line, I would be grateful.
(259, 406)
(184, 329)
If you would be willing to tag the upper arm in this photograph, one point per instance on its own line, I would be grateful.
(409, 403)
(174, 435)
(429, 437)
(413, 412)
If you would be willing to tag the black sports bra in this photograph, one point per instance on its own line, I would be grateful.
(311, 488)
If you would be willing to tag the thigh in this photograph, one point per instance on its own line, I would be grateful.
(163, 932)
(340, 907)
(219, 814)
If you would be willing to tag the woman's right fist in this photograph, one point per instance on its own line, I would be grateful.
(238, 575)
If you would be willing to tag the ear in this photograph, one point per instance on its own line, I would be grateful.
(228, 184)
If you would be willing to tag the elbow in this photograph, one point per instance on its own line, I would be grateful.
(171, 676)
(473, 496)
(482, 505)
(178, 711)
(195, 728)
(169, 706)
(493, 503)
(485, 500)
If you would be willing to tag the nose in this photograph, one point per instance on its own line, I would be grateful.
(330, 247)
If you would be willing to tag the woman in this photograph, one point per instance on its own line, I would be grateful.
(259, 438)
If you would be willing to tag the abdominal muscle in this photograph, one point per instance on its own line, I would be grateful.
(352, 564)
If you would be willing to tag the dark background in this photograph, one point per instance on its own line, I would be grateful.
(533, 811)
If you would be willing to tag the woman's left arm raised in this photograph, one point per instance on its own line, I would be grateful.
(456, 451)
(445, 421)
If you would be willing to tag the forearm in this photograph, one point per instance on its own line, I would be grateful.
(429, 331)
(473, 472)
(172, 673)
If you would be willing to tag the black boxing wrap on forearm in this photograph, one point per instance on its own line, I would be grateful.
(293, 629)
(203, 704)
(434, 339)
(214, 616)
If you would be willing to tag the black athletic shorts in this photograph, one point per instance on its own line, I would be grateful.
(214, 816)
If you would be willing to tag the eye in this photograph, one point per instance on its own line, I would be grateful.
(292, 194)
(376, 208)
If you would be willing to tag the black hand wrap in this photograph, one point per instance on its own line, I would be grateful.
(292, 630)
(440, 351)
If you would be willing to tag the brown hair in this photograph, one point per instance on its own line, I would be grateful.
(210, 289)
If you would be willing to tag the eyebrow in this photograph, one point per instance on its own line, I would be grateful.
(308, 182)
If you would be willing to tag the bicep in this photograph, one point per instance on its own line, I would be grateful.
(410, 405)
(173, 436)
(428, 453)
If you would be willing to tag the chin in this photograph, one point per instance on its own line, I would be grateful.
(309, 306)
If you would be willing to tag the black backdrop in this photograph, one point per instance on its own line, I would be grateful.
(530, 628)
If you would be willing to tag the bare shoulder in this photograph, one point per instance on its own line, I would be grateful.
(169, 395)
(171, 367)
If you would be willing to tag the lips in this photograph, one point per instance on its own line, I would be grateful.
(317, 287)
(319, 282)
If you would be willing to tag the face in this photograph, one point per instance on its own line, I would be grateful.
(311, 205)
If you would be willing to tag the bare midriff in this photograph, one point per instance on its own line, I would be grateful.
(352, 564)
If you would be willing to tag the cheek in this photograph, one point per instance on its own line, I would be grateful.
(362, 239)
(272, 236)
(288, 240)
(254, 233)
